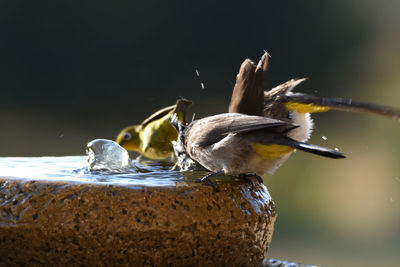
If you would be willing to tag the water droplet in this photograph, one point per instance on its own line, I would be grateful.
(197, 73)
(202, 85)
(337, 149)
(324, 137)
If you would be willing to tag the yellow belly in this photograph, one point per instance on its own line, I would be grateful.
(271, 151)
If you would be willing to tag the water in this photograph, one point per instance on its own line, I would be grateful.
(106, 163)
(107, 155)
(74, 169)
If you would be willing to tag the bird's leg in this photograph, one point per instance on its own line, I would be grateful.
(247, 176)
(253, 174)
(206, 179)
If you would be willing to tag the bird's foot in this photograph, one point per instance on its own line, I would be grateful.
(248, 176)
(206, 179)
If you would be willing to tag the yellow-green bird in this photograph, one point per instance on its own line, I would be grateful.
(152, 138)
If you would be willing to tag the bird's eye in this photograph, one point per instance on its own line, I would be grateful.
(127, 136)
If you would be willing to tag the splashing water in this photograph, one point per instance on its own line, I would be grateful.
(107, 155)
(106, 163)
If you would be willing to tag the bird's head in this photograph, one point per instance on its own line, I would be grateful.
(129, 138)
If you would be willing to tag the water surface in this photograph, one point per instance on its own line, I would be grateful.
(74, 169)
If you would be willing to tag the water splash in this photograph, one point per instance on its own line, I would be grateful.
(107, 155)
(106, 163)
(74, 169)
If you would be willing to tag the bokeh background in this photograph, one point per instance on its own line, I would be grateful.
(73, 71)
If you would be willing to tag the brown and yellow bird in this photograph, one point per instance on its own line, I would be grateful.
(262, 128)
(249, 97)
(152, 138)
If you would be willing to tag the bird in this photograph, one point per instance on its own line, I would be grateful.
(152, 138)
(241, 145)
(281, 103)
(262, 128)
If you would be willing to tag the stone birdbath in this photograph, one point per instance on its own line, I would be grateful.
(58, 211)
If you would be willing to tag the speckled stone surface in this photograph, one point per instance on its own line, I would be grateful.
(69, 224)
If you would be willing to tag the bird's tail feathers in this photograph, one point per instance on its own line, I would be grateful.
(182, 104)
(310, 103)
(181, 107)
(314, 149)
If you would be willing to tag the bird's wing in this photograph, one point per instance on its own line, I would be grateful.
(283, 88)
(310, 103)
(212, 129)
(157, 115)
(248, 90)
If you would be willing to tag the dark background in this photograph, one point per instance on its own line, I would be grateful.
(73, 71)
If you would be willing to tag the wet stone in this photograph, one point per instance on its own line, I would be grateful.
(60, 223)
(282, 263)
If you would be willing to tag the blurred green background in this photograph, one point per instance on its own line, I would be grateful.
(73, 71)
